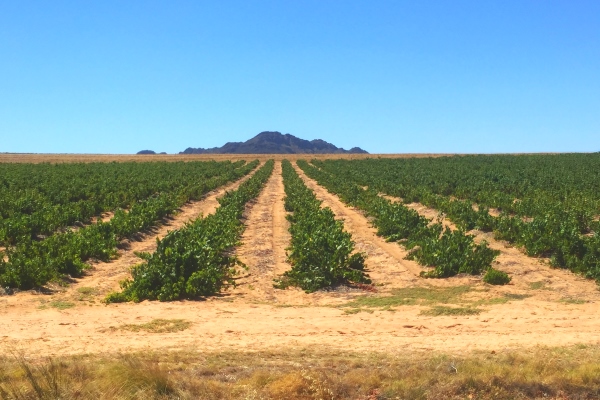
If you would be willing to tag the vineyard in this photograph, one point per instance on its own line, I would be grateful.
(449, 252)
(57, 217)
(193, 261)
(41, 203)
(373, 254)
(547, 205)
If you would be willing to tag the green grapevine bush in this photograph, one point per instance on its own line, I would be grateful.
(495, 277)
(320, 251)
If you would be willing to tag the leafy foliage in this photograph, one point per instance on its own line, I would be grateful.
(547, 204)
(196, 260)
(450, 253)
(32, 263)
(495, 277)
(38, 200)
(320, 251)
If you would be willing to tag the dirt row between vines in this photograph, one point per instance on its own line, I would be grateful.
(255, 317)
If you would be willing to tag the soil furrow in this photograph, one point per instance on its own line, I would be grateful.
(263, 244)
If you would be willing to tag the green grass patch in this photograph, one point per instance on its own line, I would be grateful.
(492, 301)
(159, 326)
(412, 296)
(62, 305)
(541, 285)
(506, 297)
(571, 300)
(516, 296)
(283, 305)
(437, 311)
(357, 310)
(86, 291)
(59, 304)
(426, 296)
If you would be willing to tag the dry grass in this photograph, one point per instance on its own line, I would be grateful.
(541, 285)
(87, 291)
(59, 304)
(544, 373)
(451, 311)
(572, 300)
(158, 326)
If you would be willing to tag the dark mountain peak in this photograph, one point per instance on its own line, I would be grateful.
(271, 135)
(273, 142)
(150, 152)
(357, 150)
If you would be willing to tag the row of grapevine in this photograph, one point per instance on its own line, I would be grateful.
(37, 200)
(33, 263)
(449, 252)
(320, 251)
(548, 205)
(195, 261)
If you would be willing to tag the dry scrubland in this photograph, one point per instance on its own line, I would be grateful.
(402, 336)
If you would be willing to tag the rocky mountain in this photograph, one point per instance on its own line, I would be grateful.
(275, 143)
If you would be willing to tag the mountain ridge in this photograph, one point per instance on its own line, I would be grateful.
(273, 142)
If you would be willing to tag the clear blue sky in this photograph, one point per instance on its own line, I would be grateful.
(388, 76)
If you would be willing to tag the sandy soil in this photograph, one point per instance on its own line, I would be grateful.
(263, 247)
(255, 316)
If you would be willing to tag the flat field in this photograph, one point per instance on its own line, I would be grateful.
(399, 333)
(89, 158)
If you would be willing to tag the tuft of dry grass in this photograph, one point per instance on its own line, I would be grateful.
(451, 311)
(58, 304)
(87, 291)
(158, 326)
(544, 373)
(540, 285)
(572, 300)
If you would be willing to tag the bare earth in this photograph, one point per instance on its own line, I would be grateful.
(562, 308)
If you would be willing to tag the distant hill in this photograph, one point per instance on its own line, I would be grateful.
(275, 143)
(149, 152)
